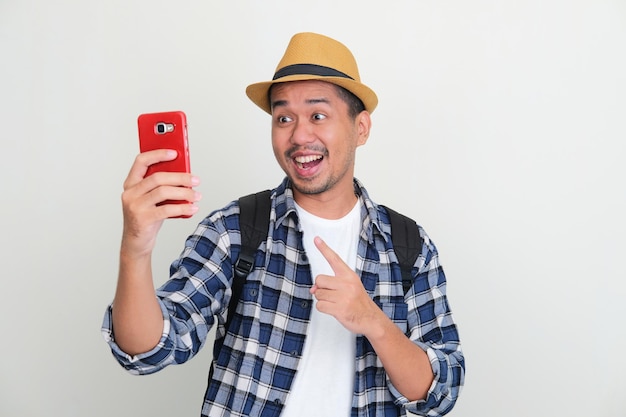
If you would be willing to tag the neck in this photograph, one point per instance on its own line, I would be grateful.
(331, 204)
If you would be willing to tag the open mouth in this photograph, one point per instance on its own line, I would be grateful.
(308, 161)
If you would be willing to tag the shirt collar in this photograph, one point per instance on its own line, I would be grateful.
(284, 208)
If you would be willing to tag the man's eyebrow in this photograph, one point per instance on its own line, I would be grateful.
(318, 100)
(279, 103)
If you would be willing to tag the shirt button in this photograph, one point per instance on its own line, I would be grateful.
(305, 258)
(253, 293)
(277, 401)
(294, 353)
(304, 304)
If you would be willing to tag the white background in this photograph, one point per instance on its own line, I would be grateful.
(501, 129)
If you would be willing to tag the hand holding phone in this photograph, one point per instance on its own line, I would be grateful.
(165, 130)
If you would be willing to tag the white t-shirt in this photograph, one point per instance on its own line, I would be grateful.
(324, 382)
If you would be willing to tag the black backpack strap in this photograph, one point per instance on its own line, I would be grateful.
(407, 244)
(254, 220)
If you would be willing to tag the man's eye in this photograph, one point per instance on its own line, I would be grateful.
(284, 119)
(318, 116)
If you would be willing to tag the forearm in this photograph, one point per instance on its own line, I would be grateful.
(136, 314)
(406, 364)
(137, 321)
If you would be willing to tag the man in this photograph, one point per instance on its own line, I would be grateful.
(322, 327)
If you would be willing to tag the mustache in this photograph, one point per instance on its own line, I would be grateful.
(312, 148)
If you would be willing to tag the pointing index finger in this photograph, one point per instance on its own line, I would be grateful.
(335, 261)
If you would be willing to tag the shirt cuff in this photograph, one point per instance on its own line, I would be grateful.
(143, 363)
(420, 407)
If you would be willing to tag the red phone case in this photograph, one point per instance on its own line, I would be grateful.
(165, 130)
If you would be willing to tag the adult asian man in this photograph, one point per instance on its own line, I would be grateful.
(323, 326)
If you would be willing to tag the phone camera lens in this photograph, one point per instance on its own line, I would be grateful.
(160, 128)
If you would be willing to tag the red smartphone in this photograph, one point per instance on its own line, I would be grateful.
(165, 130)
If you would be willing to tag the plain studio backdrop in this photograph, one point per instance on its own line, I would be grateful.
(501, 128)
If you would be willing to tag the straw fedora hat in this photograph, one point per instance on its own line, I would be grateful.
(310, 56)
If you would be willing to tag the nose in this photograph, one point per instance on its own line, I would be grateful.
(302, 132)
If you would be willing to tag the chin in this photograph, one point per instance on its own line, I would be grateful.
(310, 187)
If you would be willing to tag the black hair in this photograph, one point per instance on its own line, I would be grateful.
(355, 105)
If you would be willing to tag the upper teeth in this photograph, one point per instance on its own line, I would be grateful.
(307, 158)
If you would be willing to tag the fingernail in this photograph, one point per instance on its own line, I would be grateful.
(197, 196)
(195, 181)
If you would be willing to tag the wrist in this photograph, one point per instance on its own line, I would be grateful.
(378, 326)
(134, 248)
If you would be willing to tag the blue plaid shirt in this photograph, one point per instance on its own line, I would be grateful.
(257, 358)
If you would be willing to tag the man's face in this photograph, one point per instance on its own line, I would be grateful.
(313, 137)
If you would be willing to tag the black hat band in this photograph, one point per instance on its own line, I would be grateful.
(309, 69)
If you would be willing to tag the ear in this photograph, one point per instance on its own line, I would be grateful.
(363, 124)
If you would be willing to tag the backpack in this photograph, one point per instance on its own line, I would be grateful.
(254, 220)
